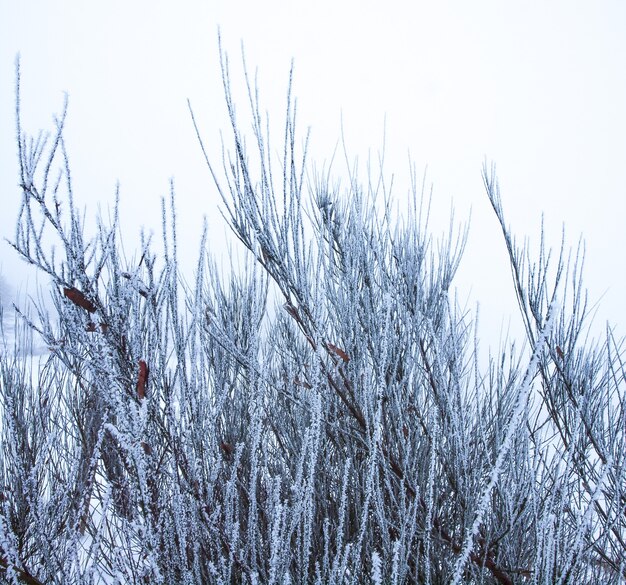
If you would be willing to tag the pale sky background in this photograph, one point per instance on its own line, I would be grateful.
(538, 87)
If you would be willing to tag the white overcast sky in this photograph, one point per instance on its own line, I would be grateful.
(538, 87)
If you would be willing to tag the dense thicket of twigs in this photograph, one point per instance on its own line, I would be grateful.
(320, 417)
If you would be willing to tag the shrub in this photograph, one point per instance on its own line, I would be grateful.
(318, 417)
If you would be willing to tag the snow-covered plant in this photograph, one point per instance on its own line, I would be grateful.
(320, 416)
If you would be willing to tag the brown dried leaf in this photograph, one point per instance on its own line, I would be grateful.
(91, 327)
(338, 351)
(142, 380)
(79, 299)
(302, 383)
(292, 311)
(227, 448)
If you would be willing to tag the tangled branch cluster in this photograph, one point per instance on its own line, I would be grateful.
(320, 417)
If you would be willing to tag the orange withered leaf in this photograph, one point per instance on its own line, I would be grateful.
(79, 299)
(559, 352)
(338, 351)
(142, 380)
